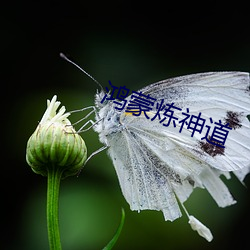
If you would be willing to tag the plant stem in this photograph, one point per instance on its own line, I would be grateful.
(54, 177)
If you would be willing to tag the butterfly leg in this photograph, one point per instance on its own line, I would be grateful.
(86, 116)
(94, 153)
(81, 129)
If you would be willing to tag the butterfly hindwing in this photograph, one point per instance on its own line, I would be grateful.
(142, 183)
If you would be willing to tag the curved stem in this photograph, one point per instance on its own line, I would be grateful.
(54, 177)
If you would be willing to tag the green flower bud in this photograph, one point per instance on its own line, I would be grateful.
(55, 144)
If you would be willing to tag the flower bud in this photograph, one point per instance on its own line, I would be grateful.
(55, 144)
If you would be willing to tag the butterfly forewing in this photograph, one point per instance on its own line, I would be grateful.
(217, 96)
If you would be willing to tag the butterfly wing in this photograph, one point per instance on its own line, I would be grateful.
(153, 168)
(138, 170)
(155, 163)
(218, 96)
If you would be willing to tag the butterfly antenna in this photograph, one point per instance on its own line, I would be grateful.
(68, 60)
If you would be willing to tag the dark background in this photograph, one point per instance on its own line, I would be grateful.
(130, 43)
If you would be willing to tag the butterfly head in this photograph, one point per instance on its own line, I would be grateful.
(100, 100)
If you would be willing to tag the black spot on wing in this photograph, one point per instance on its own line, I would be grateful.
(248, 89)
(211, 149)
(190, 181)
(233, 119)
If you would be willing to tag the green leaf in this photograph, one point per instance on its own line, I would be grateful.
(117, 234)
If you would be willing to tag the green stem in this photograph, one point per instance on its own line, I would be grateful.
(54, 177)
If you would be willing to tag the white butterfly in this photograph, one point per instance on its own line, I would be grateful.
(158, 167)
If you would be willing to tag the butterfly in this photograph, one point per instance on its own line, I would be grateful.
(157, 166)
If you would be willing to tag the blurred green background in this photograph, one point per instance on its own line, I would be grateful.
(130, 44)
